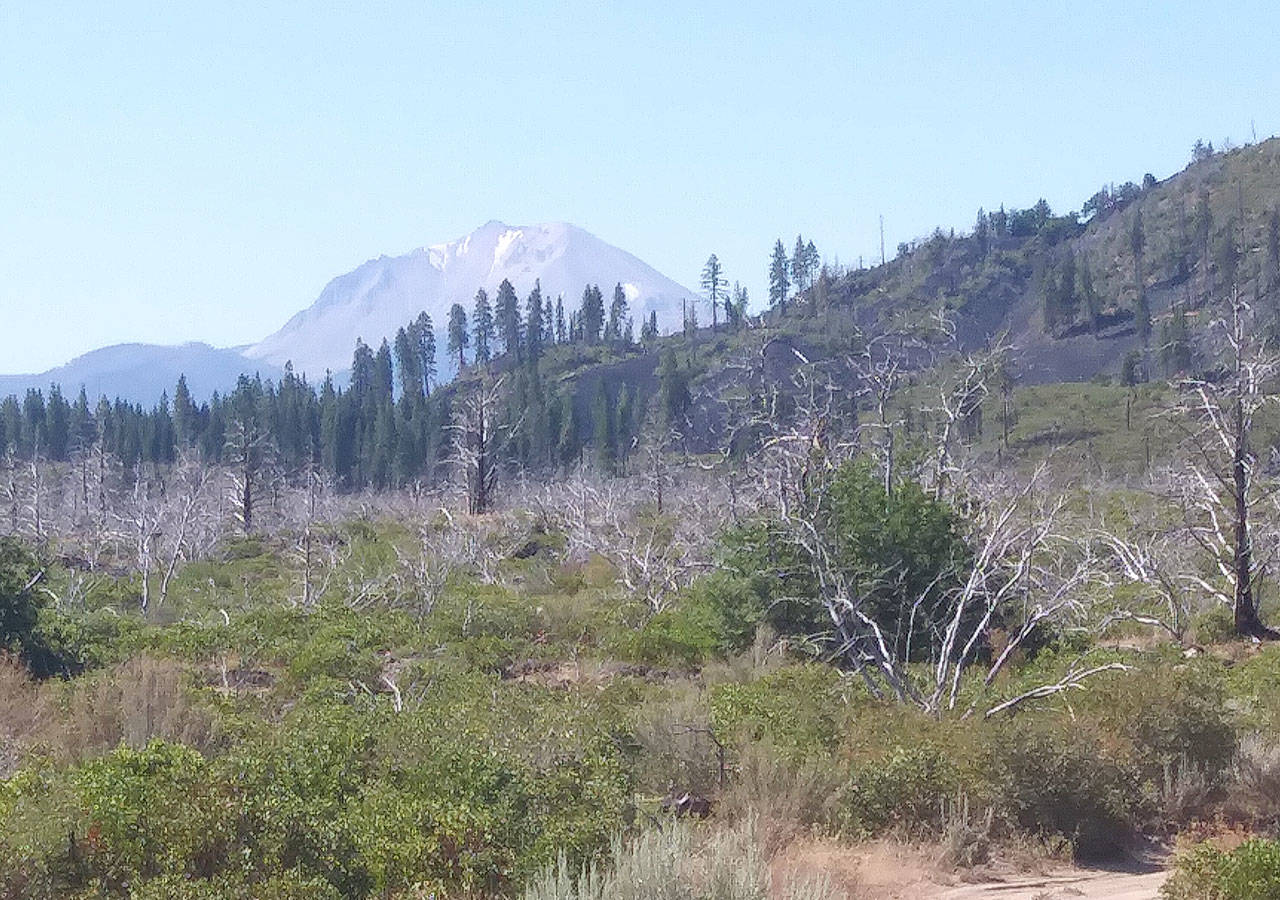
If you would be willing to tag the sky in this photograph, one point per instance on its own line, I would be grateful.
(174, 171)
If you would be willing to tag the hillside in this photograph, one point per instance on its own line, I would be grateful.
(994, 279)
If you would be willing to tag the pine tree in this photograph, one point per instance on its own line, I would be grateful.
(507, 319)
(982, 233)
(617, 314)
(798, 265)
(779, 278)
(592, 313)
(459, 339)
(714, 285)
(423, 336)
(362, 374)
(533, 323)
(383, 373)
(184, 413)
(482, 326)
(561, 333)
(408, 365)
(736, 306)
(649, 330)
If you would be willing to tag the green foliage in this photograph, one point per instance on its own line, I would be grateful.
(891, 549)
(19, 604)
(796, 708)
(1249, 872)
(908, 790)
(1053, 779)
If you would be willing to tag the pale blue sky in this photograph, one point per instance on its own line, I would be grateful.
(174, 171)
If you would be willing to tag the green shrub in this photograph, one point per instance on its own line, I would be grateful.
(1058, 778)
(1249, 872)
(908, 790)
(684, 635)
(799, 709)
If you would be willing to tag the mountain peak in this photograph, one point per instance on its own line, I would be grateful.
(375, 299)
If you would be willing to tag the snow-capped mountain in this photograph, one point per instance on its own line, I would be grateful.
(371, 302)
(375, 299)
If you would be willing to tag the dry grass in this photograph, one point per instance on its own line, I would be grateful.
(23, 712)
(130, 704)
(790, 799)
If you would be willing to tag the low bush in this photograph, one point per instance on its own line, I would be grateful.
(1059, 778)
(1249, 872)
(670, 863)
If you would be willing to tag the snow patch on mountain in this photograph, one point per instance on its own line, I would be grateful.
(376, 298)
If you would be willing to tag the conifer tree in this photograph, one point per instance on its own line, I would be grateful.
(779, 278)
(482, 326)
(533, 323)
(422, 336)
(561, 333)
(714, 285)
(799, 264)
(617, 314)
(507, 319)
(184, 412)
(459, 338)
(383, 373)
(362, 372)
(592, 313)
(408, 365)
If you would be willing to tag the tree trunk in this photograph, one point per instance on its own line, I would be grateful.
(1247, 621)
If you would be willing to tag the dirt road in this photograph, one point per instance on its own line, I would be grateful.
(1074, 885)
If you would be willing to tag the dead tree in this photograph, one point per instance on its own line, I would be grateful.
(478, 440)
(247, 455)
(1217, 416)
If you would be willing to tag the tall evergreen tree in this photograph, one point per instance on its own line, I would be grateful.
(408, 365)
(592, 313)
(533, 323)
(383, 373)
(184, 413)
(617, 314)
(779, 277)
(423, 335)
(561, 333)
(482, 326)
(459, 339)
(714, 285)
(362, 372)
(507, 316)
(799, 265)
